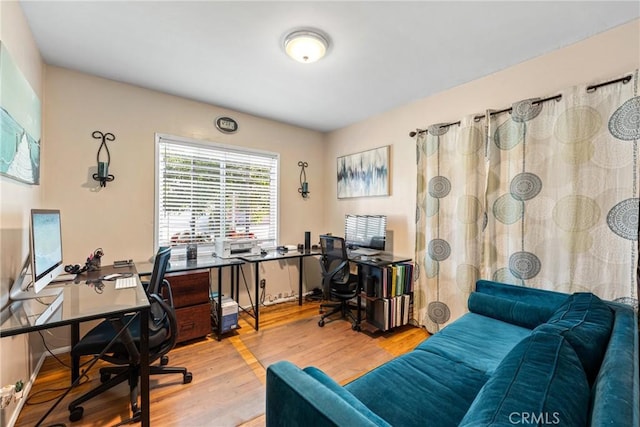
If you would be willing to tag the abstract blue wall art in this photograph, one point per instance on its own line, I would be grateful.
(19, 124)
(364, 174)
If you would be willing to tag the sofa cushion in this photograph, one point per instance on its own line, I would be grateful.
(488, 340)
(541, 381)
(586, 322)
(538, 297)
(419, 389)
(509, 310)
(328, 382)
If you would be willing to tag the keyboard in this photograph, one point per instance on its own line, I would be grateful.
(126, 282)
(365, 251)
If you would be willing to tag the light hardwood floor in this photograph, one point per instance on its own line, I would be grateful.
(228, 387)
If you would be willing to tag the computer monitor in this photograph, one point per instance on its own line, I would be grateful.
(365, 231)
(45, 241)
(44, 262)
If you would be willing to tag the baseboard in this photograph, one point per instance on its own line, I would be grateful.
(29, 384)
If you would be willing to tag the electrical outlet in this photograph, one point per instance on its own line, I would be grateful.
(263, 283)
(6, 395)
(279, 295)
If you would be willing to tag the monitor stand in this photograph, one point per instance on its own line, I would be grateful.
(21, 289)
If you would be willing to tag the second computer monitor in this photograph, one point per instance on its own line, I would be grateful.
(365, 231)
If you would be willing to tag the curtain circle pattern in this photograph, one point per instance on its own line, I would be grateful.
(438, 129)
(508, 210)
(439, 249)
(624, 123)
(623, 218)
(439, 186)
(525, 186)
(524, 265)
(525, 110)
(439, 312)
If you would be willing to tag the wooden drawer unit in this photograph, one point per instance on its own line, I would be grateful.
(191, 302)
(193, 322)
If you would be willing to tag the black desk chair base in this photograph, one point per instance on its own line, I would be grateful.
(344, 308)
(113, 375)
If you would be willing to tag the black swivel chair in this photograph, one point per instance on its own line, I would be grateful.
(124, 352)
(337, 281)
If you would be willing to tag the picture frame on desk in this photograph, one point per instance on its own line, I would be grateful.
(364, 174)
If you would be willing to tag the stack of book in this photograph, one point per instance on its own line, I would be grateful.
(390, 292)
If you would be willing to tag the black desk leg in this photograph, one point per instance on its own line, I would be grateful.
(233, 274)
(256, 307)
(144, 368)
(219, 306)
(300, 275)
(75, 360)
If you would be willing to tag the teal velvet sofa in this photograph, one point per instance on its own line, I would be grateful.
(520, 356)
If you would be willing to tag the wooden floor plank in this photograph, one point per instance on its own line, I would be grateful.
(228, 387)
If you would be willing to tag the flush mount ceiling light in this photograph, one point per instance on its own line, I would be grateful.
(306, 46)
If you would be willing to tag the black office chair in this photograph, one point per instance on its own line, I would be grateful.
(124, 352)
(337, 281)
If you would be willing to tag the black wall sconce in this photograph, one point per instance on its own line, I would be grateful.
(304, 185)
(103, 175)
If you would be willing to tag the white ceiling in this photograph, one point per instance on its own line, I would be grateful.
(382, 54)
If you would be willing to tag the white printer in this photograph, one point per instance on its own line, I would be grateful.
(229, 247)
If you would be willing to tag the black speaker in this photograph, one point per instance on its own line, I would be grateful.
(307, 240)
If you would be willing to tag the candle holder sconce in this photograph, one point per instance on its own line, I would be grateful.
(103, 175)
(304, 185)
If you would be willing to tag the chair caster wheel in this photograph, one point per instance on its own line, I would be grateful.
(104, 377)
(164, 360)
(356, 327)
(321, 323)
(188, 377)
(76, 413)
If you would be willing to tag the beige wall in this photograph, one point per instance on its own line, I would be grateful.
(596, 59)
(18, 354)
(119, 217)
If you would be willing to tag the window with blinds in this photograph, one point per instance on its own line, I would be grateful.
(206, 191)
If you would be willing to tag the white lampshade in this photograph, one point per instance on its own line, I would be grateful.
(305, 46)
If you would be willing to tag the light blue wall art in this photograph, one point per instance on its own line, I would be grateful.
(364, 174)
(19, 124)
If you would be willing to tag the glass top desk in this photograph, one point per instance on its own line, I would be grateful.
(203, 262)
(276, 256)
(82, 302)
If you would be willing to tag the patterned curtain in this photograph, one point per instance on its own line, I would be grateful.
(450, 218)
(558, 199)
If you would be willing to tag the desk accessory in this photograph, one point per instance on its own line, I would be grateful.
(123, 263)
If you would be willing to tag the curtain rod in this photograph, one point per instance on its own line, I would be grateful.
(590, 89)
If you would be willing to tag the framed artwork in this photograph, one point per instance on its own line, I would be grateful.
(19, 124)
(364, 174)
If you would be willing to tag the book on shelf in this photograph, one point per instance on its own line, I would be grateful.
(389, 290)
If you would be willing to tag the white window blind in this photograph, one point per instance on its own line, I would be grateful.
(206, 191)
